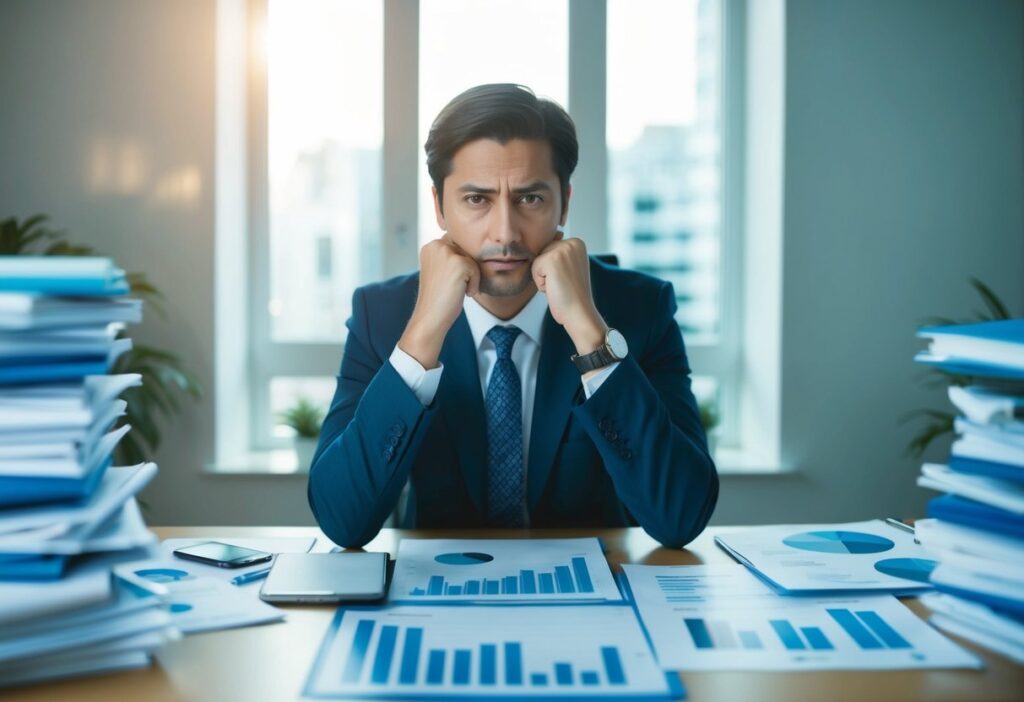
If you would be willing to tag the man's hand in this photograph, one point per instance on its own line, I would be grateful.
(562, 272)
(447, 275)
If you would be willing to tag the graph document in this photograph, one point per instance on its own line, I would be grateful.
(723, 618)
(502, 570)
(807, 558)
(447, 652)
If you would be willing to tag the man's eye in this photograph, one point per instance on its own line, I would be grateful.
(532, 199)
(475, 199)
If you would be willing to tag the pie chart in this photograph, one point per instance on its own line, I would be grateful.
(471, 558)
(162, 575)
(838, 542)
(179, 607)
(917, 569)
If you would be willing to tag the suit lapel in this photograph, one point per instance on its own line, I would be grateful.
(557, 384)
(462, 403)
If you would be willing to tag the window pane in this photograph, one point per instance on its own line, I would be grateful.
(325, 104)
(664, 149)
(468, 42)
(286, 392)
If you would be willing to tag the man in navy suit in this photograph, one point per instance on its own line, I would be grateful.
(513, 381)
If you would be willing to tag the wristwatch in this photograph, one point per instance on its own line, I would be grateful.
(614, 349)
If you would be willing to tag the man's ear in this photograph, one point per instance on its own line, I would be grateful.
(565, 205)
(437, 210)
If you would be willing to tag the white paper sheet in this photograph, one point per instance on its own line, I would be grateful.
(818, 557)
(493, 651)
(721, 617)
(502, 570)
(198, 602)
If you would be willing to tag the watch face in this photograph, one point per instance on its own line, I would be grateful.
(617, 343)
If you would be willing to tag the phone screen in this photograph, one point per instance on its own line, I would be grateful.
(223, 553)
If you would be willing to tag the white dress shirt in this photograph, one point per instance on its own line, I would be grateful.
(525, 356)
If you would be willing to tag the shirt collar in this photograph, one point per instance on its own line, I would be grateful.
(530, 319)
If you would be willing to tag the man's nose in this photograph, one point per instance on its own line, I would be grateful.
(504, 226)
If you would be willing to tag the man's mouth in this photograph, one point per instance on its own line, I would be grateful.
(505, 264)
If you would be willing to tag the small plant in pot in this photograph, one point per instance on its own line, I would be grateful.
(305, 418)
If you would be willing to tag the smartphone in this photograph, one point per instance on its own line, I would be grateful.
(223, 555)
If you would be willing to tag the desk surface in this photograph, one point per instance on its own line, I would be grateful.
(271, 662)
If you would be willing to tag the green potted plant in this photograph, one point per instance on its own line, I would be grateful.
(710, 418)
(305, 418)
(164, 377)
(940, 422)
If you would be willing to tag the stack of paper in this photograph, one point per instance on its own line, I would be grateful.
(977, 528)
(66, 516)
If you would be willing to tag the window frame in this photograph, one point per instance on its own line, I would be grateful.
(401, 163)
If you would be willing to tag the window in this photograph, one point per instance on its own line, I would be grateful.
(341, 196)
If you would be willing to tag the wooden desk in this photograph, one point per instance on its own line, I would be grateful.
(270, 663)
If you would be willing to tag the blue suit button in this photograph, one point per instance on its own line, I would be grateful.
(393, 441)
(611, 435)
(398, 429)
(605, 425)
(627, 454)
(389, 453)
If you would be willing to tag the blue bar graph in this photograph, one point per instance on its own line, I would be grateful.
(816, 638)
(513, 664)
(883, 631)
(488, 664)
(613, 665)
(750, 639)
(410, 656)
(853, 626)
(463, 660)
(385, 651)
(787, 634)
(571, 578)
(361, 641)
(435, 667)
(699, 633)
(408, 647)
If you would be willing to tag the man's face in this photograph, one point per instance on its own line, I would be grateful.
(502, 206)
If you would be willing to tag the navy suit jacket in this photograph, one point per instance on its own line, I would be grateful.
(633, 453)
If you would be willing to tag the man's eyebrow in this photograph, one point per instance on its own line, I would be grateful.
(535, 186)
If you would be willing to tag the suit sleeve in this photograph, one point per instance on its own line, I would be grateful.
(368, 441)
(646, 426)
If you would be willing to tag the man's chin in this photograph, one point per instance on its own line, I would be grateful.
(505, 285)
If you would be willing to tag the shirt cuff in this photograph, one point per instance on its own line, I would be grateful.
(591, 385)
(421, 381)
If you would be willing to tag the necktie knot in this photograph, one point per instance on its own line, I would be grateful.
(503, 338)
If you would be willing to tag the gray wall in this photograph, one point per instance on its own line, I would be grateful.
(904, 175)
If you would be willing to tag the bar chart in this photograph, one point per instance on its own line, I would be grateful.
(723, 618)
(446, 570)
(574, 577)
(494, 650)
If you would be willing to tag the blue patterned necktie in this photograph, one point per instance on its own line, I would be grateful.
(504, 435)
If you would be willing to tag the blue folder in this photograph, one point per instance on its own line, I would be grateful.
(66, 369)
(20, 566)
(975, 466)
(960, 366)
(960, 510)
(19, 490)
(70, 287)
(1014, 608)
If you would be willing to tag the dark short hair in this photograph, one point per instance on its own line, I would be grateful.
(501, 112)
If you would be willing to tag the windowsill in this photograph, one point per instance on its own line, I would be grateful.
(741, 462)
(283, 462)
(276, 462)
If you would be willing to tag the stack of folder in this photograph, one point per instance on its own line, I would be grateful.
(977, 528)
(66, 515)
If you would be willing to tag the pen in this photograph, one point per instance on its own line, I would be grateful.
(896, 523)
(250, 576)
